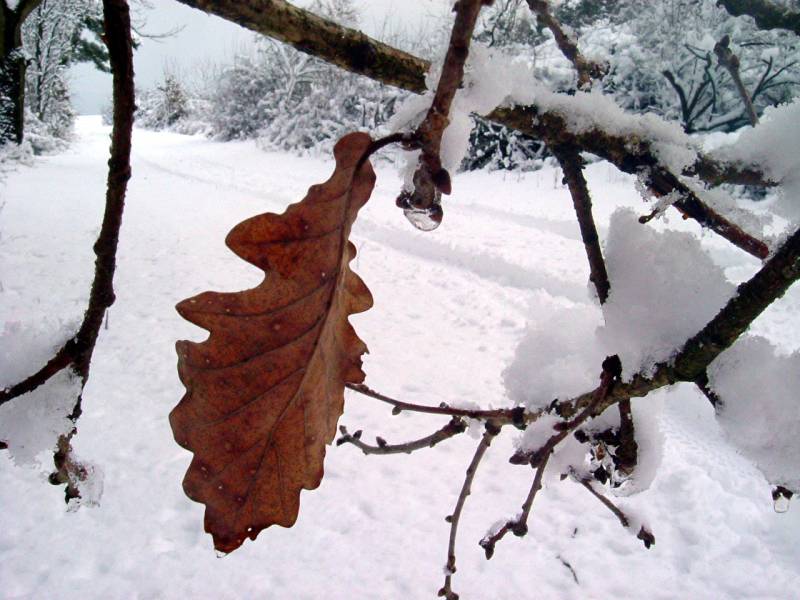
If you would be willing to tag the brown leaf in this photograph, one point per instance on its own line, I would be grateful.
(265, 390)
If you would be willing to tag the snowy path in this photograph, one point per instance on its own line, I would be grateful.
(450, 307)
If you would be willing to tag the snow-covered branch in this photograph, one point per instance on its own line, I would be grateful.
(767, 14)
(422, 203)
(689, 364)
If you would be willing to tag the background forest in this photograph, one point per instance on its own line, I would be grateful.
(660, 56)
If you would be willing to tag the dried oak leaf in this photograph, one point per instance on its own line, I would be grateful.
(265, 390)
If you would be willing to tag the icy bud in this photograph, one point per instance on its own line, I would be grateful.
(781, 498)
(422, 206)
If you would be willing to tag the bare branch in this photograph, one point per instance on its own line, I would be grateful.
(628, 450)
(491, 431)
(341, 46)
(572, 164)
(513, 416)
(62, 359)
(685, 111)
(452, 429)
(587, 70)
(766, 14)
(730, 61)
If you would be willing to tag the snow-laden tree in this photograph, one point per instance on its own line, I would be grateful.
(163, 106)
(39, 39)
(52, 41)
(675, 71)
(12, 68)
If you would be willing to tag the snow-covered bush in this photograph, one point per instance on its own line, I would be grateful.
(291, 101)
(492, 146)
(163, 106)
(47, 138)
(662, 60)
(239, 105)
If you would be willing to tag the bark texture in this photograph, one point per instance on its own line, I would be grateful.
(344, 47)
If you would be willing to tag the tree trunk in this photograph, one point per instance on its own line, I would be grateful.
(12, 70)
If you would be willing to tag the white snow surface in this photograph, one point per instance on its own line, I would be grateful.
(26, 347)
(32, 423)
(759, 414)
(664, 288)
(772, 145)
(450, 310)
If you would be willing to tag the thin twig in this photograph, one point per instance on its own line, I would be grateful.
(730, 61)
(452, 429)
(570, 568)
(662, 182)
(406, 139)
(62, 359)
(491, 431)
(538, 458)
(587, 69)
(519, 525)
(643, 534)
(512, 416)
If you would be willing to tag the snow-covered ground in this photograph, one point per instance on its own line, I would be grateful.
(450, 309)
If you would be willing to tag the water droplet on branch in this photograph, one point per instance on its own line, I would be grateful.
(425, 219)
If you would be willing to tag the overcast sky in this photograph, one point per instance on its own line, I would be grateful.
(203, 38)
